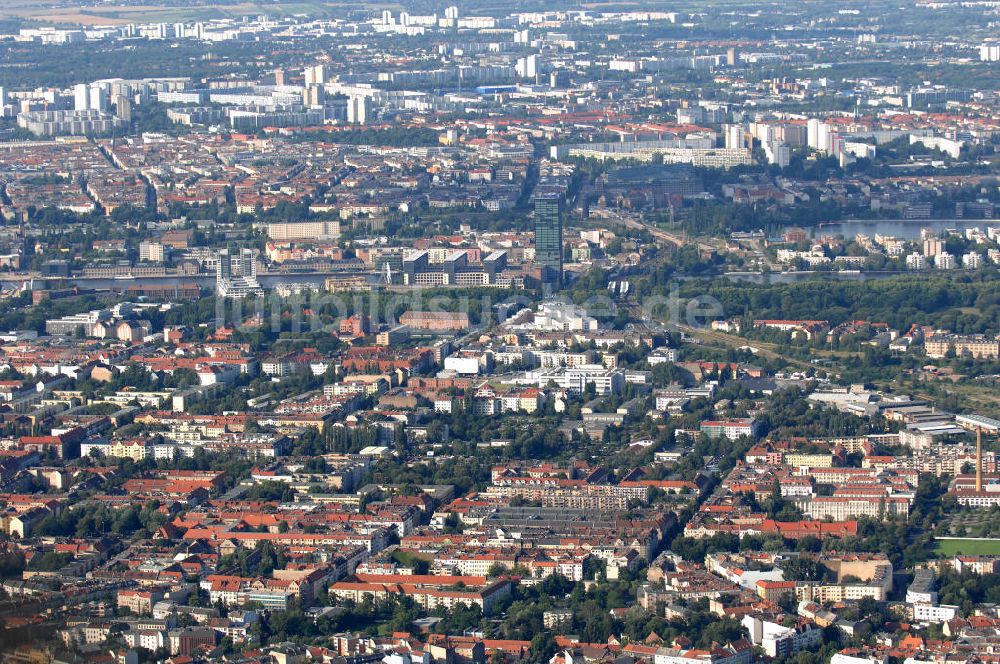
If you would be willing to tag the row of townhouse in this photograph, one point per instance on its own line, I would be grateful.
(577, 494)
(480, 564)
(428, 592)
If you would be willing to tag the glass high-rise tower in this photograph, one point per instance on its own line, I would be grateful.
(236, 273)
(549, 238)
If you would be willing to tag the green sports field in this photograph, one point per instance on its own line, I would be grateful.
(950, 547)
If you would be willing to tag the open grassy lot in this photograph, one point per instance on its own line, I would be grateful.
(950, 547)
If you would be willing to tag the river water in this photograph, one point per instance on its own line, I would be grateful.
(904, 229)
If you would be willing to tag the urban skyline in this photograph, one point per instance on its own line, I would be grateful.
(499, 333)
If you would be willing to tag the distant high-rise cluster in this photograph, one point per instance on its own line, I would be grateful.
(735, 136)
(236, 273)
(359, 109)
(315, 75)
(527, 67)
